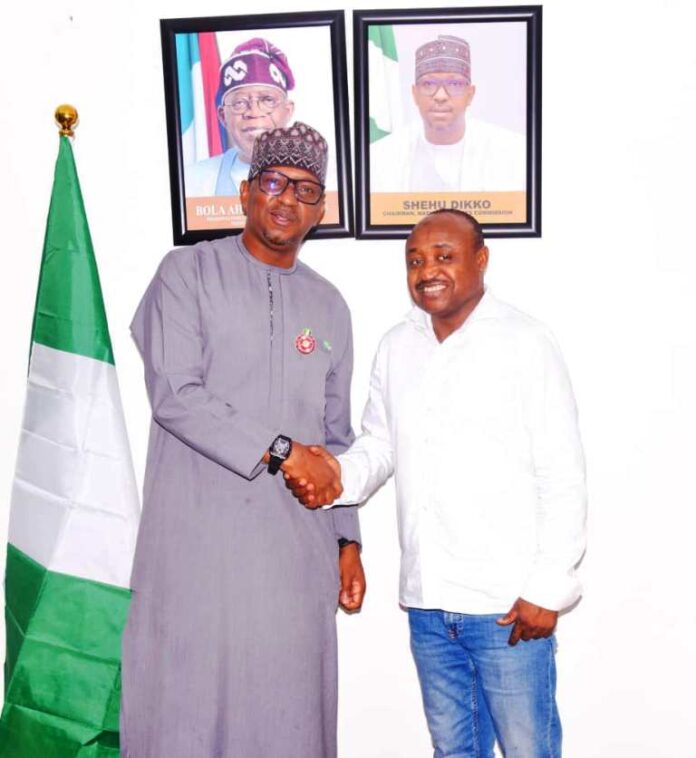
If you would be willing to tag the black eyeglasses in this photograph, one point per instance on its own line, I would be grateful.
(275, 183)
(453, 87)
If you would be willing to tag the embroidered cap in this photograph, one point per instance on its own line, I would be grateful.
(296, 146)
(255, 62)
(446, 54)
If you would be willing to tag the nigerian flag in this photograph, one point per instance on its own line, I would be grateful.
(384, 86)
(74, 513)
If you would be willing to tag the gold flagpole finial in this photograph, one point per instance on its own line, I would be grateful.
(67, 118)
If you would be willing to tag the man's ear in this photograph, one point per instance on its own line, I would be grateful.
(322, 206)
(244, 195)
(482, 259)
(470, 92)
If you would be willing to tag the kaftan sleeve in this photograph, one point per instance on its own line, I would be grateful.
(167, 330)
(559, 470)
(337, 422)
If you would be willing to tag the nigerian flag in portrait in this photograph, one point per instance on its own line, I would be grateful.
(384, 90)
(74, 512)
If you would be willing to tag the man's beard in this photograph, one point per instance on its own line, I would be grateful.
(278, 240)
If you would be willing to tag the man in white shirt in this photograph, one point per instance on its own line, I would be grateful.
(447, 150)
(471, 408)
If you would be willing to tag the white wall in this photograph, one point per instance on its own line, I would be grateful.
(614, 275)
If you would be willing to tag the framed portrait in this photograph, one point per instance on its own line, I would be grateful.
(227, 79)
(448, 115)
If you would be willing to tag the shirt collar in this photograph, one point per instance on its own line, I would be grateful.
(488, 307)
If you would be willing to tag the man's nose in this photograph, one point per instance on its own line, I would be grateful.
(254, 109)
(440, 93)
(430, 269)
(287, 196)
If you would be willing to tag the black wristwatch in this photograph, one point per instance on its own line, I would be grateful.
(279, 451)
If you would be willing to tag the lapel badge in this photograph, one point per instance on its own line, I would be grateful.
(305, 343)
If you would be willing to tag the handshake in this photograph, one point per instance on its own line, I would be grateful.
(313, 475)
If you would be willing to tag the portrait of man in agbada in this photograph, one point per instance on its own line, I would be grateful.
(252, 98)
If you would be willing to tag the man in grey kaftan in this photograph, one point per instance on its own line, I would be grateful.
(230, 647)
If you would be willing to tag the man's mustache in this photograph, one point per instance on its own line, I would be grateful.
(428, 283)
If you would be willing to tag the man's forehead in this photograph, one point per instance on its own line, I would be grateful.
(417, 244)
(293, 172)
(254, 89)
(443, 75)
(446, 231)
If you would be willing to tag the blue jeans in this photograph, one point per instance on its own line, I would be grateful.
(477, 688)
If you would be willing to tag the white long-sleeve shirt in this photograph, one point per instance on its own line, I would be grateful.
(481, 433)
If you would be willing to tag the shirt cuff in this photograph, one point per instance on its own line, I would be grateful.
(351, 481)
(553, 590)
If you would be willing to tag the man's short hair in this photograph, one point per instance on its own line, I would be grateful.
(476, 229)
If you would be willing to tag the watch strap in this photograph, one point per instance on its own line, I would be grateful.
(278, 452)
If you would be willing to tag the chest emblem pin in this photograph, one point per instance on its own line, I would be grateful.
(305, 343)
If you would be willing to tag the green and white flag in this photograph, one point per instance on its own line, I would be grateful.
(74, 514)
(384, 84)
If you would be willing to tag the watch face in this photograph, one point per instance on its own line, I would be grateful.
(281, 447)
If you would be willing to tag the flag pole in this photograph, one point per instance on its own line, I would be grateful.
(66, 117)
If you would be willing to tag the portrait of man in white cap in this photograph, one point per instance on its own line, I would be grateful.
(447, 149)
(253, 98)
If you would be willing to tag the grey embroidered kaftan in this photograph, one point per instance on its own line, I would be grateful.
(230, 647)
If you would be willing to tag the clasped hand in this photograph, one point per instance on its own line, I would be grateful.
(313, 475)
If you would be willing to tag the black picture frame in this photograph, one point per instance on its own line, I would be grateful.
(388, 208)
(214, 216)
